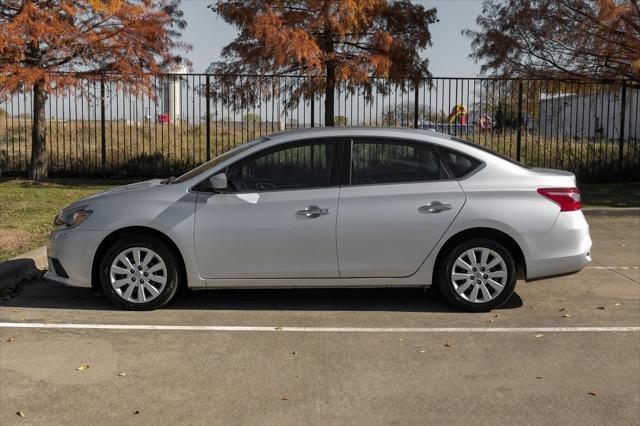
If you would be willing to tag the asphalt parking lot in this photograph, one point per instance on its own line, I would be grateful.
(562, 351)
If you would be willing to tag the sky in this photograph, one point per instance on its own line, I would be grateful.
(448, 56)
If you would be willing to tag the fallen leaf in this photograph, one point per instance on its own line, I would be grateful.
(20, 413)
(122, 374)
(593, 394)
(566, 316)
(538, 335)
(82, 367)
(11, 339)
(447, 345)
(284, 398)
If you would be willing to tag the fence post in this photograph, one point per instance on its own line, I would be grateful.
(415, 104)
(313, 110)
(208, 112)
(623, 112)
(103, 125)
(519, 130)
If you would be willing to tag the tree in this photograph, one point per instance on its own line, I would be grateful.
(559, 38)
(505, 117)
(53, 44)
(327, 41)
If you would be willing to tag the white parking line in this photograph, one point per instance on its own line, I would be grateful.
(614, 267)
(320, 329)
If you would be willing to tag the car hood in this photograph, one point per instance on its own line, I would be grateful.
(124, 190)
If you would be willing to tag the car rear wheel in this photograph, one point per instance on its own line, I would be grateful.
(477, 275)
(139, 273)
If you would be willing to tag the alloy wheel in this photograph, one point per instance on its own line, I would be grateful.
(138, 275)
(479, 275)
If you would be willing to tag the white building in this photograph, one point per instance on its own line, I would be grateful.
(593, 115)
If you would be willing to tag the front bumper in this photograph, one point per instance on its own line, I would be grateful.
(73, 250)
(565, 249)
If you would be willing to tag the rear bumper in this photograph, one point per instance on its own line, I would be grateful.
(70, 252)
(565, 249)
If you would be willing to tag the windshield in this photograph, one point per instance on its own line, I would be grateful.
(219, 159)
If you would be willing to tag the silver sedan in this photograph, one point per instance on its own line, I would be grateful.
(332, 207)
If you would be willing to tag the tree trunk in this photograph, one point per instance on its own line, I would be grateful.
(39, 160)
(329, 94)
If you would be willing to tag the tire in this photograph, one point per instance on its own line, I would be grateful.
(155, 277)
(495, 282)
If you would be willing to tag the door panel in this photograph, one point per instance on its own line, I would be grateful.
(397, 204)
(388, 230)
(262, 235)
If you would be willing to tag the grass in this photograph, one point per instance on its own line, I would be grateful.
(28, 210)
(131, 149)
(611, 194)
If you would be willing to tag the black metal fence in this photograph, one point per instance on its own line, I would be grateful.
(102, 128)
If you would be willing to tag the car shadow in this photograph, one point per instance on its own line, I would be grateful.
(49, 295)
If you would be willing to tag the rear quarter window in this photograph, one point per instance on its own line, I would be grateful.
(461, 165)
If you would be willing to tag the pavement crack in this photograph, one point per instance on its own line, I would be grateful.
(616, 271)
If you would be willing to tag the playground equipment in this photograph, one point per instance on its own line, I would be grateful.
(458, 115)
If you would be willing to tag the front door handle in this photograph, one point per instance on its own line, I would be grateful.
(313, 212)
(434, 207)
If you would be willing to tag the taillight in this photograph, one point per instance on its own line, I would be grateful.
(567, 198)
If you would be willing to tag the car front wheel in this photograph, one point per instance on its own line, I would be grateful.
(139, 273)
(477, 275)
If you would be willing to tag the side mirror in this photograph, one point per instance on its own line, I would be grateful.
(218, 182)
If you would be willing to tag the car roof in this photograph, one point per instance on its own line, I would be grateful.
(353, 131)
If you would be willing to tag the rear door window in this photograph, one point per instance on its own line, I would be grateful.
(388, 161)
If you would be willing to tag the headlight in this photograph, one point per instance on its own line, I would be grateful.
(69, 219)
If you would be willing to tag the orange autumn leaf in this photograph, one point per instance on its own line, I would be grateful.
(328, 41)
(53, 44)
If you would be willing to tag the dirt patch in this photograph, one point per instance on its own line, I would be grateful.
(15, 241)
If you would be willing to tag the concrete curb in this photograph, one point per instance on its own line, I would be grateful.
(612, 212)
(23, 266)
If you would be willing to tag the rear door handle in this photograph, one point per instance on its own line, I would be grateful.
(434, 207)
(313, 212)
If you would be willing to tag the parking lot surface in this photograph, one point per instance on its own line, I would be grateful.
(562, 351)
